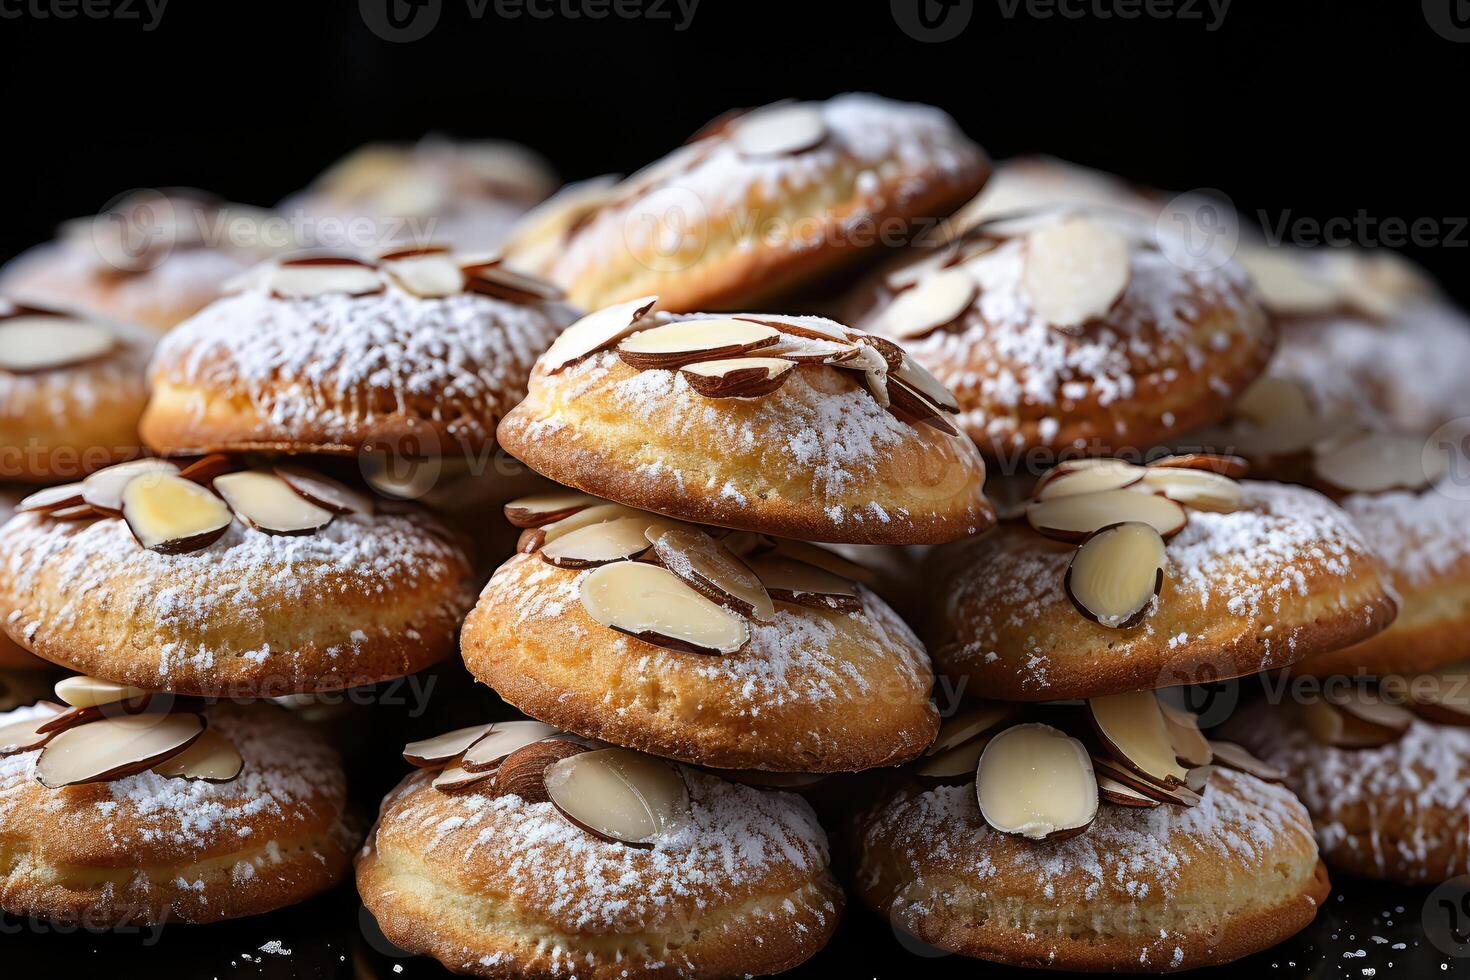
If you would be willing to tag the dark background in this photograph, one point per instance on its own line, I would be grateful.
(1296, 108)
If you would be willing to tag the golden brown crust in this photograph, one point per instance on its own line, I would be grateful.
(146, 849)
(1281, 579)
(1141, 891)
(500, 888)
(253, 615)
(814, 691)
(818, 459)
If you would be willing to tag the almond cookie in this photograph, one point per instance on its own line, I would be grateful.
(230, 812)
(540, 869)
(1070, 329)
(252, 583)
(13, 657)
(71, 392)
(760, 202)
(422, 350)
(796, 426)
(1125, 578)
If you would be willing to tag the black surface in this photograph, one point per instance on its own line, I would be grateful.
(1306, 109)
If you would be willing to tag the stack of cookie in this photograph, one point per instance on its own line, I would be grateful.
(670, 600)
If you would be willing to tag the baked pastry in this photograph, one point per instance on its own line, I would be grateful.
(13, 657)
(467, 193)
(274, 581)
(1067, 330)
(795, 426)
(760, 202)
(533, 872)
(71, 392)
(975, 862)
(1029, 183)
(153, 258)
(1254, 576)
(1391, 811)
(421, 351)
(741, 652)
(230, 811)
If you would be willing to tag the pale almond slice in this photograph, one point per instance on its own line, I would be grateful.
(430, 753)
(312, 276)
(455, 779)
(1191, 747)
(1116, 574)
(913, 374)
(1332, 726)
(1232, 466)
(796, 582)
(264, 501)
(1198, 778)
(212, 759)
(780, 131)
(1036, 782)
(325, 492)
(1233, 756)
(809, 350)
(968, 725)
(652, 604)
(596, 514)
(1271, 400)
(823, 558)
(103, 489)
(960, 762)
(432, 275)
(90, 692)
(30, 344)
(674, 345)
(1286, 284)
(711, 569)
(1075, 477)
(51, 499)
(540, 509)
(619, 795)
(809, 327)
(1076, 518)
(1199, 489)
(598, 544)
(1379, 462)
(596, 331)
(737, 377)
(77, 513)
(1181, 795)
(1075, 271)
(1443, 695)
(24, 736)
(112, 748)
(1122, 794)
(172, 515)
(911, 273)
(397, 253)
(1371, 708)
(504, 737)
(935, 301)
(1132, 729)
(502, 282)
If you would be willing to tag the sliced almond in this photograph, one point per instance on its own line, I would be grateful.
(1233, 756)
(112, 748)
(935, 301)
(455, 779)
(1198, 778)
(546, 508)
(968, 725)
(596, 514)
(325, 492)
(503, 738)
(430, 753)
(913, 374)
(1232, 466)
(523, 772)
(598, 544)
(807, 350)
(1379, 462)
(1287, 285)
(823, 558)
(1109, 768)
(312, 276)
(1036, 782)
(1443, 696)
(51, 499)
(809, 327)
(1122, 794)
(24, 735)
(1332, 726)
(206, 468)
(1116, 574)
(103, 489)
(212, 759)
(30, 344)
(959, 762)
(503, 282)
(90, 692)
(1191, 747)
(1199, 489)
(780, 130)
(652, 604)
(773, 780)
(78, 513)
(913, 407)
(264, 501)
(1271, 400)
(921, 265)
(1075, 477)
(619, 795)
(1132, 729)
(172, 515)
(737, 377)
(674, 345)
(1370, 708)
(596, 331)
(1075, 271)
(1076, 518)
(712, 570)
(796, 582)
(429, 276)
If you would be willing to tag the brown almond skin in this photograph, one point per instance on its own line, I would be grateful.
(523, 773)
